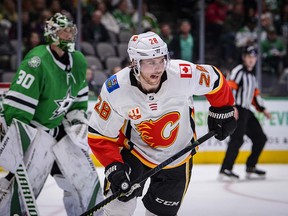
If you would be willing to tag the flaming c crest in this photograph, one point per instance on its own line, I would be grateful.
(161, 132)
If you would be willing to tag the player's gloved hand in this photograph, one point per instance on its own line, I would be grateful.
(76, 126)
(118, 175)
(222, 121)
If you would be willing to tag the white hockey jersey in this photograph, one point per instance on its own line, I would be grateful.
(153, 126)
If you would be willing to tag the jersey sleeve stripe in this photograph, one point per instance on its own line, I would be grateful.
(101, 137)
(82, 95)
(83, 98)
(19, 106)
(93, 134)
(219, 81)
(256, 92)
(21, 97)
(232, 84)
(83, 91)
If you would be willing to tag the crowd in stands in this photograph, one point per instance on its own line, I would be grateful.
(107, 26)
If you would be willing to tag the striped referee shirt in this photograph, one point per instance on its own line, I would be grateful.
(245, 88)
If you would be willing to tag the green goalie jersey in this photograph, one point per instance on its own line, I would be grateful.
(44, 89)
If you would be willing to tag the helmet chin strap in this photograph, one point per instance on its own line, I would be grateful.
(136, 69)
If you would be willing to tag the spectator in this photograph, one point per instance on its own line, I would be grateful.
(91, 82)
(215, 16)
(181, 47)
(34, 40)
(38, 6)
(108, 19)
(166, 33)
(273, 51)
(123, 17)
(248, 34)
(266, 20)
(9, 13)
(55, 6)
(284, 21)
(115, 70)
(5, 45)
(232, 24)
(39, 25)
(26, 26)
(149, 21)
(95, 31)
(114, 3)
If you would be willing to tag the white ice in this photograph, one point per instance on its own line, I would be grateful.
(207, 196)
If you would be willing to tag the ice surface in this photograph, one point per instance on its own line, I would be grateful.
(207, 196)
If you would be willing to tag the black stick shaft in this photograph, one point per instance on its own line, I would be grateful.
(151, 172)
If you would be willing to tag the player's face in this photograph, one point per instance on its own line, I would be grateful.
(152, 70)
(249, 61)
(67, 34)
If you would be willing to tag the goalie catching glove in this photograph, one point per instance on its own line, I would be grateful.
(118, 175)
(75, 125)
(222, 121)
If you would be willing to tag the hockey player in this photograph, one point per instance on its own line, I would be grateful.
(245, 90)
(144, 115)
(50, 93)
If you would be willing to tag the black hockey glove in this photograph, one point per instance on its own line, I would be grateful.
(222, 121)
(118, 175)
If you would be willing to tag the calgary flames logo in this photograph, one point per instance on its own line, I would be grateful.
(161, 132)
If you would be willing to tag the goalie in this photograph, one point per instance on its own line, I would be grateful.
(49, 93)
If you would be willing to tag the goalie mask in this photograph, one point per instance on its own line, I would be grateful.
(146, 46)
(55, 26)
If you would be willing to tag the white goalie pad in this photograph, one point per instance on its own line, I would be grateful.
(79, 170)
(38, 159)
(18, 137)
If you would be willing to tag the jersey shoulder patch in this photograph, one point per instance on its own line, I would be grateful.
(185, 70)
(181, 68)
(34, 62)
(112, 83)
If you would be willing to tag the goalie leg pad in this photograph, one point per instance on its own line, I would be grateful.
(12, 145)
(5, 195)
(38, 158)
(79, 171)
(70, 198)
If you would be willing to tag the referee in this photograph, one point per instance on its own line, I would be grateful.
(243, 83)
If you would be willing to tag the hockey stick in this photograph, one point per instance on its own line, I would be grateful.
(25, 189)
(151, 172)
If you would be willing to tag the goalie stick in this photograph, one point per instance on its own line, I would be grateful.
(25, 190)
(136, 183)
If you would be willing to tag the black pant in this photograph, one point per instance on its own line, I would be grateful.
(249, 125)
(167, 187)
